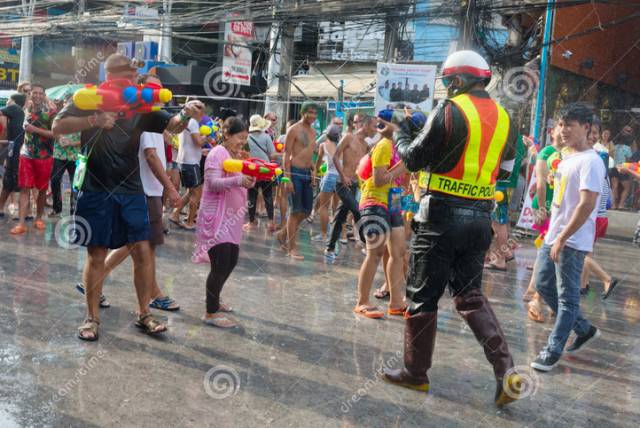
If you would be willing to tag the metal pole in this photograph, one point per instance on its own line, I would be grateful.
(544, 63)
(165, 48)
(274, 68)
(26, 42)
(284, 79)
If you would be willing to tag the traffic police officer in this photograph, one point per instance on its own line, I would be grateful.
(468, 142)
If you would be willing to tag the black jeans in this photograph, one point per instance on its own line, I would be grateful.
(267, 194)
(59, 167)
(447, 250)
(347, 195)
(224, 258)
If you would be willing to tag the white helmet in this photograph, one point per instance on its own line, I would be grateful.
(466, 62)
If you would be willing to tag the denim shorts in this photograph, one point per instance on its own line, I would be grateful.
(328, 183)
(110, 220)
(377, 220)
(301, 200)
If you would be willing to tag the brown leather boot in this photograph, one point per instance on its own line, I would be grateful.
(474, 307)
(419, 341)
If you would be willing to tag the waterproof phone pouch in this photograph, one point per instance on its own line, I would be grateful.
(395, 201)
(81, 170)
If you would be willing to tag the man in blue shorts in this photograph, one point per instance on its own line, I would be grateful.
(298, 164)
(111, 209)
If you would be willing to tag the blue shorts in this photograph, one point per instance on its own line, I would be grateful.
(111, 220)
(301, 200)
(328, 183)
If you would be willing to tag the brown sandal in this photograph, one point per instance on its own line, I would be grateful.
(91, 326)
(149, 324)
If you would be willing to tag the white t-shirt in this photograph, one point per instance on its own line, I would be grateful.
(151, 140)
(189, 152)
(577, 172)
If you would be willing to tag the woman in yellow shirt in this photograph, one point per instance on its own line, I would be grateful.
(382, 225)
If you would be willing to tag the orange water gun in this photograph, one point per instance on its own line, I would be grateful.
(253, 167)
(121, 96)
(279, 146)
(632, 166)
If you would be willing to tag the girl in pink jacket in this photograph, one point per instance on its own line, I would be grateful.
(220, 218)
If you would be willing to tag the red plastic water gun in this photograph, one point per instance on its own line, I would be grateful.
(253, 167)
(122, 96)
(633, 166)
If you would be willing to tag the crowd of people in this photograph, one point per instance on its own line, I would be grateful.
(365, 183)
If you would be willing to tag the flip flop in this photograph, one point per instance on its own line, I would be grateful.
(534, 313)
(398, 312)
(491, 266)
(614, 283)
(220, 322)
(381, 294)
(176, 222)
(165, 303)
(18, 230)
(369, 312)
(510, 258)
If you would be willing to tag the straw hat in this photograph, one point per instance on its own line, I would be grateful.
(258, 123)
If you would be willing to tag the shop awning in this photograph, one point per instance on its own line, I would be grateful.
(317, 86)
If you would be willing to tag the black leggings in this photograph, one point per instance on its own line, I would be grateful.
(267, 194)
(224, 258)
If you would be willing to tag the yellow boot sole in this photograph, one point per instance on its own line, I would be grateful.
(423, 387)
(511, 389)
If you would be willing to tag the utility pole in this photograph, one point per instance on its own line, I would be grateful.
(390, 38)
(274, 66)
(466, 24)
(26, 42)
(281, 66)
(165, 48)
(284, 76)
(77, 49)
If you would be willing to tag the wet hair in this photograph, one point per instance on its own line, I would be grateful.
(365, 119)
(144, 78)
(580, 112)
(38, 85)
(19, 99)
(596, 122)
(308, 105)
(22, 84)
(234, 125)
(226, 113)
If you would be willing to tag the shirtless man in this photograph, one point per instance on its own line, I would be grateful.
(298, 164)
(351, 149)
